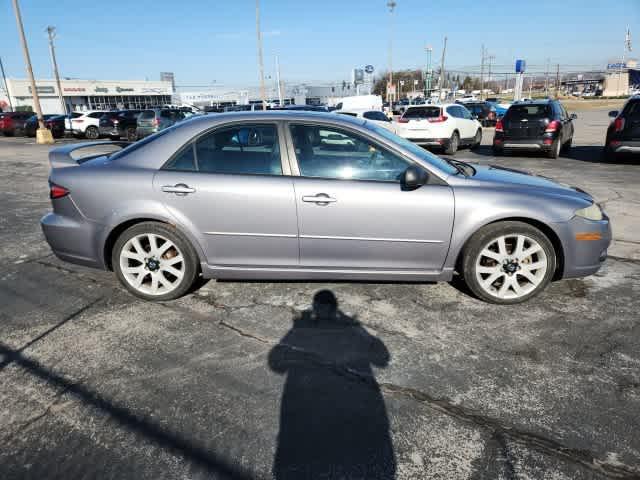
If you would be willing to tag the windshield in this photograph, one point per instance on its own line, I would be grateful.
(418, 151)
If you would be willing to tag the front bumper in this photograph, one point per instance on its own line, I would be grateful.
(584, 257)
(625, 147)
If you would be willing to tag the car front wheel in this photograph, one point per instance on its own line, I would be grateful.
(508, 262)
(154, 261)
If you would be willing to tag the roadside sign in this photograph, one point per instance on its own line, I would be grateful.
(521, 66)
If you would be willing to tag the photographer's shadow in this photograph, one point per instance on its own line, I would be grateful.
(333, 420)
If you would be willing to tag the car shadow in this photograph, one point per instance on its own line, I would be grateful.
(331, 428)
(581, 153)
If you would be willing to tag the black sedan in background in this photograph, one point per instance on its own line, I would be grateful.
(55, 123)
(535, 125)
(119, 123)
(623, 134)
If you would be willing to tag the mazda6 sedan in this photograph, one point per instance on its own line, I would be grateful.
(305, 195)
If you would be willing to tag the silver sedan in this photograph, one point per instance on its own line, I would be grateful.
(304, 195)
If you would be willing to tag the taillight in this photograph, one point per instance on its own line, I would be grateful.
(403, 120)
(156, 122)
(441, 118)
(115, 122)
(553, 126)
(618, 124)
(499, 127)
(56, 191)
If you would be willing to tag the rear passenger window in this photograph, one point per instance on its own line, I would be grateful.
(241, 150)
(184, 161)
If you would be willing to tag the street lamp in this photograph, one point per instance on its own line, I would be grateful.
(392, 5)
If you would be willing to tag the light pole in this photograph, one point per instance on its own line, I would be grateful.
(429, 73)
(51, 31)
(43, 135)
(392, 5)
(4, 79)
(263, 93)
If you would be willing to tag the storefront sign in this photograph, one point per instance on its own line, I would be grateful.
(74, 89)
(101, 90)
(43, 90)
(121, 89)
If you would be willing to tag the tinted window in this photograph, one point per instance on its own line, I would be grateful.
(519, 112)
(454, 112)
(147, 115)
(351, 114)
(375, 115)
(246, 149)
(422, 112)
(464, 113)
(632, 112)
(332, 153)
(165, 114)
(184, 161)
(95, 114)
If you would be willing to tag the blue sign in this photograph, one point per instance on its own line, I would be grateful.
(521, 66)
(616, 66)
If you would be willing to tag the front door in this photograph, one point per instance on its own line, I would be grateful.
(352, 211)
(228, 188)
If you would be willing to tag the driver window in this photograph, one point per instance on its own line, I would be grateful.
(328, 152)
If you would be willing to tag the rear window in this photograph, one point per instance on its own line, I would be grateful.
(632, 111)
(147, 115)
(518, 112)
(422, 112)
(375, 115)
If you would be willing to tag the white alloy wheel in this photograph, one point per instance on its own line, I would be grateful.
(152, 264)
(511, 266)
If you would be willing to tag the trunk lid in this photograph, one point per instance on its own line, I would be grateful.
(526, 121)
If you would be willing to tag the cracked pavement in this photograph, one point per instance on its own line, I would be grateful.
(250, 380)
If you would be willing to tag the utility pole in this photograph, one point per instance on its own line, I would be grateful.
(482, 71)
(43, 135)
(546, 80)
(429, 74)
(441, 82)
(51, 31)
(491, 58)
(390, 96)
(4, 79)
(263, 93)
(558, 81)
(280, 98)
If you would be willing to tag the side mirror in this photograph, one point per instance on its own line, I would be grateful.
(573, 116)
(413, 177)
(613, 113)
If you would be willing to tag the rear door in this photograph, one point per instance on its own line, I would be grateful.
(231, 189)
(468, 125)
(526, 121)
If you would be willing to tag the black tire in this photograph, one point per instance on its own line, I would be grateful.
(184, 246)
(477, 140)
(92, 133)
(497, 151)
(453, 144)
(479, 241)
(131, 134)
(554, 151)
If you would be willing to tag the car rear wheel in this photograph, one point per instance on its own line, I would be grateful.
(554, 152)
(477, 139)
(92, 133)
(154, 261)
(132, 135)
(452, 146)
(508, 262)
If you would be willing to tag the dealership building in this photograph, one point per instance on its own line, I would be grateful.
(83, 95)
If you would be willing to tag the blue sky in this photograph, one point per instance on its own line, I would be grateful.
(203, 41)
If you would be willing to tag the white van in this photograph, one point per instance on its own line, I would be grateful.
(360, 102)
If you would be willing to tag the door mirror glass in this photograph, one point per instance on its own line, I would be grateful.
(613, 113)
(413, 177)
(573, 116)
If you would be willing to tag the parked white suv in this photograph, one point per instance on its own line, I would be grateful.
(448, 126)
(377, 117)
(87, 124)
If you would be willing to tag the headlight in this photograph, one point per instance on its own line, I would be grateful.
(592, 212)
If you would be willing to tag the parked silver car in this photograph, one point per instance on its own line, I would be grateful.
(156, 119)
(304, 195)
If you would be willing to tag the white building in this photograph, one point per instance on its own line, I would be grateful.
(80, 95)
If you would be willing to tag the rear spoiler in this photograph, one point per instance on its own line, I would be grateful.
(60, 157)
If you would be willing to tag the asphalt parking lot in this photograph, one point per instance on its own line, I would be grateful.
(261, 380)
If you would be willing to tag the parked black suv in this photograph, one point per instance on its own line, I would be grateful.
(623, 134)
(538, 125)
(121, 123)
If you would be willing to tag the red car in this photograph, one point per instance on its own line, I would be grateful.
(12, 123)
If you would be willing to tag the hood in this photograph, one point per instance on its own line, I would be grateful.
(507, 177)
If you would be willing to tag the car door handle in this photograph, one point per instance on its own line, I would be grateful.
(179, 189)
(319, 198)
